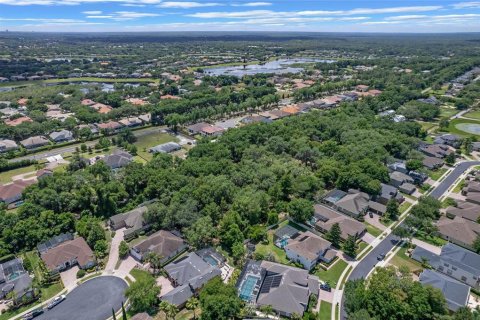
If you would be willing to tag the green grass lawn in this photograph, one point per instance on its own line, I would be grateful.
(446, 112)
(333, 274)
(362, 245)
(140, 274)
(145, 142)
(459, 186)
(436, 241)
(404, 206)
(401, 259)
(452, 128)
(474, 114)
(435, 175)
(427, 125)
(325, 311)
(6, 177)
(374, 231)
(271, 248)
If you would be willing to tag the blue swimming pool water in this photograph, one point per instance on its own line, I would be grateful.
(211, 261)
(247, 287)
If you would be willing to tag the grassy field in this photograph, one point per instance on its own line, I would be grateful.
(401, 259)
(427, 125)
(435, 175)
(145, 142)
(446, 112)
(140, 274)
(475, 114)
(6, 177)
(374, 231)
(333, 274)
(325, 311)
(452, 128)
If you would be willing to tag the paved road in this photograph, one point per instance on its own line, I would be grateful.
(71, 148)
(92, 300)
(370, 260)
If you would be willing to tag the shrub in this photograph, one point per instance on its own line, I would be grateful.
(81, 273)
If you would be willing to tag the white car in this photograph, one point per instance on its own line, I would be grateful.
(56, 301)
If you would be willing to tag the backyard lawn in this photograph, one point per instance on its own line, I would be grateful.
(271, 248)
(446, 112)
(374, 231)
(145, 142)
(427, 125)
(6, 177)
(325, 311)
(333, 274)
(401, 259)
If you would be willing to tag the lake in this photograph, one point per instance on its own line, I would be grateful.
(280, 66)
(473, 128)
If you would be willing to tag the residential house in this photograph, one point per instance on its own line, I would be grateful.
(436, 150)
(18, 121)
(432, 163)
(449, 139)
(286, 289)
(362, 88)
(467, 210)
(407, 188)
(454, 261)
(34, 142)
(281, 235)
(324, 218)
(188, 275)
(471, 187)
(387, 193)
(68, 254)
(398, 166)
(61, 136)
(377, 208)
(118, 159)
(145, 118)
(13, 277)
(11, 193)
(165, 148)
(110, 126)
(163, 243)
(101, 108)
(456, 293)
(131, 122)
(133, 221)
(196, 128)
(473, 197)
(418, 177)
(308, 249)
(354, 203)
(397, 178)
(255, 119)
(8, 145)
(459, 231)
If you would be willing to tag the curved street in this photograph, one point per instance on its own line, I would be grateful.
(92, 300)
(367, 264)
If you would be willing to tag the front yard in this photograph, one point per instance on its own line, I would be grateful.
(325, 311)
(436, 174)
(333, 274)
(401, 259)
(374, 231)
(145, 142)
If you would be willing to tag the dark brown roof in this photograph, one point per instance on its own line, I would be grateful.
(161, 242)
(15, 188)
(76, 248)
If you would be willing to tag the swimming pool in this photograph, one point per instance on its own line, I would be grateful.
(211, 261)
(247, 287)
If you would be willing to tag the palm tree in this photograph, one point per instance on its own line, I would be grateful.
(169, 309)
(155, 261)
(114, 317)
(192, 304)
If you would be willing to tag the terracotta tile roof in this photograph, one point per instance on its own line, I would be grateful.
(16, 122)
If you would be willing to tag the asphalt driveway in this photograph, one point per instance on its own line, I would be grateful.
(92, 300)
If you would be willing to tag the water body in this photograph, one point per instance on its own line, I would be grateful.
(280, 66)
(469, 127)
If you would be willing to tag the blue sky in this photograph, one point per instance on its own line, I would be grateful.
(241, 15)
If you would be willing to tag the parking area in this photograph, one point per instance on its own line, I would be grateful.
(92, 300)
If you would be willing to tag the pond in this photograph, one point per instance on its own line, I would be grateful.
(280, 66)
(473, 128)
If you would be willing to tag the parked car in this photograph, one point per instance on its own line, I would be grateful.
(56, 301)
(33, 314)
(325, 286)
(380, 257)
(370, 214)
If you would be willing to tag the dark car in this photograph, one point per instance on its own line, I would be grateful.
(33, 314)
(370, 214)
(380, 257)
(326, 287)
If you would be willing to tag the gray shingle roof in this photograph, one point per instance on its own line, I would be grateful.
(455, 293)
(165, 147)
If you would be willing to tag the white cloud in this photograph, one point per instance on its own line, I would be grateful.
(74, 2)
(467, 5)
(187, 4)
(270, 13)
(252, 4)
(99, 17)
(92, 12)
(124, 15)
